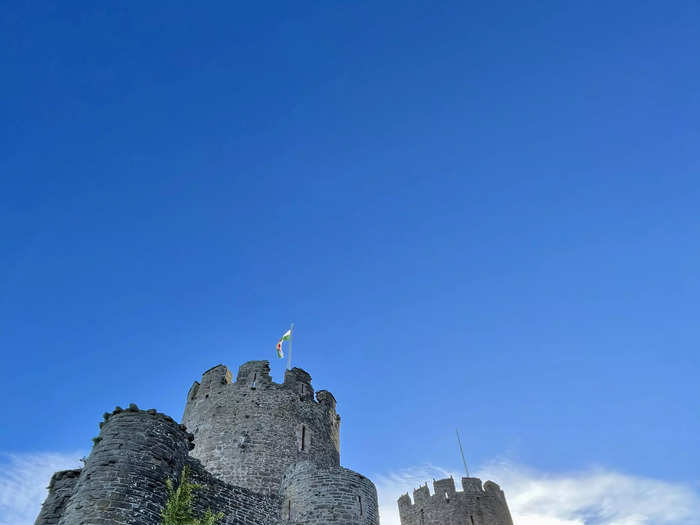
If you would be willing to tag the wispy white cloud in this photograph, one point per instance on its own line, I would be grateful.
(23, 482)
(591, 497)
(392, 485)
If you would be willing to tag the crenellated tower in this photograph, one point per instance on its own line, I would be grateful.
(474, 505)
(262, 453)
(248, 431)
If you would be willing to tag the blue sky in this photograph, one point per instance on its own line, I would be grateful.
(477, 216)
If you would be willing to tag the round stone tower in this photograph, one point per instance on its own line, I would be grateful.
(123, 478)
(325, 496)
(249, 431)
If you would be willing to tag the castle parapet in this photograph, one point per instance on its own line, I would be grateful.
(492, 487)
(326, 398)
(404, 501)
(445, 487)
(254, 374)
(421, 494)
(472, 485)
(249, 431)
(481, 506)
(216, 376)
(299, 381)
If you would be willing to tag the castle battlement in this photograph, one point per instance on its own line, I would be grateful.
(444, 490)
(480, 505)
(255, 375)
(263, 453)
(248, 431)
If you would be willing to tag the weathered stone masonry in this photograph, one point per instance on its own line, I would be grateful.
(473, 505)
(264, 453)
(61, 488)
(315, 496)
(249, 431)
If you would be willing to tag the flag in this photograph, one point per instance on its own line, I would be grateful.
(285, 337)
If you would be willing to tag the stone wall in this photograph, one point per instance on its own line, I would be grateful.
(61, 488)
(123, 478)
(123, 481)
(474, 505)
(313, 495)
(269, 456)
(240, 506)
(249, 431)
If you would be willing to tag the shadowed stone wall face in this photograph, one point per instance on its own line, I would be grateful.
(123, 478)
(61, 489)
(472, 506)
(240, 506)
(123, 481)
(335, 495)
(249, 431)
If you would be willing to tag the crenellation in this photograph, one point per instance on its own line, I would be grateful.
(298, 375)
(250, 431)
(192, 393)
(446, 506)
(421, 494)
(326, 398)
(299, 381)
(405, 504)
(490, 486)
(254, 374)
(445, 488)
(215, 377)
(472, 485)
(264, 453)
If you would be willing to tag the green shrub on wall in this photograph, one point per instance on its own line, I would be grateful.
(178, 509)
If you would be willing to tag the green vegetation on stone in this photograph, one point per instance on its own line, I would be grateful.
(178, 509)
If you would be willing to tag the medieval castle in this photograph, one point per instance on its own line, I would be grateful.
(264, 454)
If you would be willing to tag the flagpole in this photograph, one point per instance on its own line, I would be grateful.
(462, 452)
(289, 355)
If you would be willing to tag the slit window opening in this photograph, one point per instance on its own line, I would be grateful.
(359, 501)
(255, 377)
(303, 437)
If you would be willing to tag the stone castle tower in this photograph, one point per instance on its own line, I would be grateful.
(264, 454)
(473, 505)
(249, 431)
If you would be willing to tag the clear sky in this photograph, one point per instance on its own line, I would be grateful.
(478, 215)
